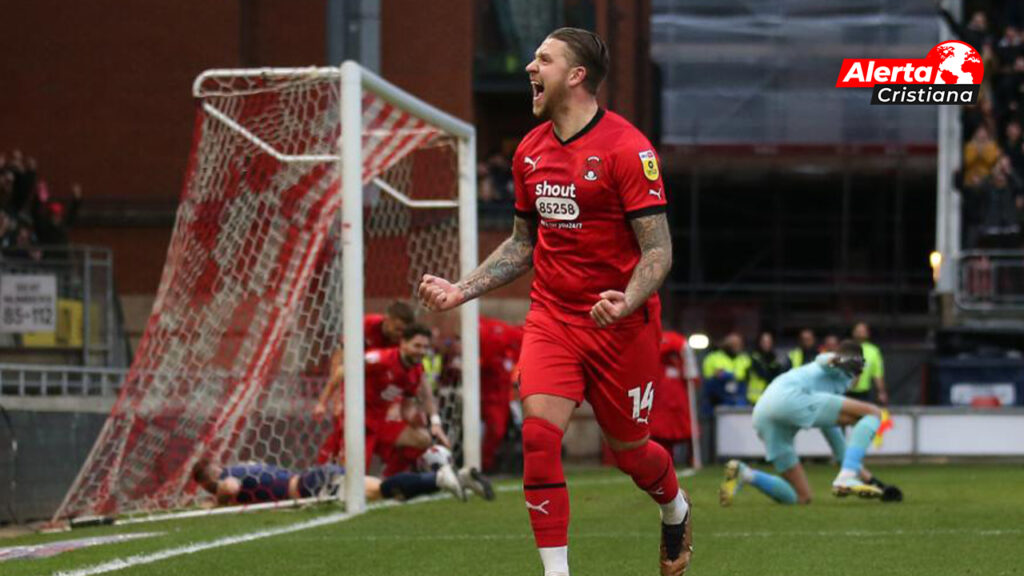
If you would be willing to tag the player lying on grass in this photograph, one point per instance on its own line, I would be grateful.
(811, 397)
(258, 483)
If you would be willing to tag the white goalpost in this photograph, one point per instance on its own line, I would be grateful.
(354, 80)
(312, 196)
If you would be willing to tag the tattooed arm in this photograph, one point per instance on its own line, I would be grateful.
(655, 241)
(509, 261)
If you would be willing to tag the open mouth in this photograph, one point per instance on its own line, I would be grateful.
(537, 88)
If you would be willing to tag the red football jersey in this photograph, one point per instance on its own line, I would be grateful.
(584, 191)
(388, 380)
(499, 349)
(670, 415)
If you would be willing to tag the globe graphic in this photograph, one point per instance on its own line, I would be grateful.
(956, 63)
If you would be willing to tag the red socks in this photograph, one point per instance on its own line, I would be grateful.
(547, 498)
(651, 468)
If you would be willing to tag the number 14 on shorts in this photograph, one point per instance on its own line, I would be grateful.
(642, 401)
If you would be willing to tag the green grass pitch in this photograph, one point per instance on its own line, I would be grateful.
(956, 519)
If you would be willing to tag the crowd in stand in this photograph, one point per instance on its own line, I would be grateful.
(992, 177)
(30, 217)
(495, 190)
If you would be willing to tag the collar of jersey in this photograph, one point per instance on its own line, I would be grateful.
(590, 125)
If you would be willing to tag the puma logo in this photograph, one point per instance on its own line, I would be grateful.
(538, 507)
(654, 192)
(660, 491)
(531, 162)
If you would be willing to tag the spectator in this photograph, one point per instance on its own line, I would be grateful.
(1010, 46)
(485, 189)
(806, 350)
(830, 344)
(6, 188)
(874, 369)
(725, 375)
(980, 156)
(998, 226)
(765, 365)
(24, 171)
(25, 245)
(53, 218)
(500, 170)
(1010, 88)
(975, 33)
(8, 231)
(1012, 145)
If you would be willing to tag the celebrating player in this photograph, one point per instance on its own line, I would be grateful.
(385, 331)
(391, 375)
(811, 396)
(590, 219)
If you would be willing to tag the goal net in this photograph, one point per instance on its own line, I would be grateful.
(311, 197)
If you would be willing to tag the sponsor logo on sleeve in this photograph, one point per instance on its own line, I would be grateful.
(650, 164)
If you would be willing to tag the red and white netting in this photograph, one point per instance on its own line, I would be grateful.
(249, 307)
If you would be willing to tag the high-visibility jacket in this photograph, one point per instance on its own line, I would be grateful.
(873, 368)
(762, 371)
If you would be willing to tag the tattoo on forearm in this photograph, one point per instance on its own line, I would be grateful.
(509, 261)
(655, 241)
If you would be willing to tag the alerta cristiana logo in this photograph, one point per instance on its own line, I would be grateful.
(951, 73)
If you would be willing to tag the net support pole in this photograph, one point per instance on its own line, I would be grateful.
(352, 284)
(470, 310)
(947, 213)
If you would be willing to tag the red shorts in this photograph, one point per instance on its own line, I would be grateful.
(381, 436)
(615, 369)
(670, 419)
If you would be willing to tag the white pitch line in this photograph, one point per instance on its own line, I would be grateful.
(140, 559)
(624, 535)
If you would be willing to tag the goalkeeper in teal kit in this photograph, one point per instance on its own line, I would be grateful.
(811, 396)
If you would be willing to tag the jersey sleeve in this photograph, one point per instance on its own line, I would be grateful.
(637, 172)
(524, 205)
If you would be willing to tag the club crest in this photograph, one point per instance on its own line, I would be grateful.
(592, 169)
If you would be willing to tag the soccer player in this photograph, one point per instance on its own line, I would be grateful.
(499, 351)
(671, 419)
(256, 483)
(811, 396)
(385, 331)
(392, 374)
(590, 219)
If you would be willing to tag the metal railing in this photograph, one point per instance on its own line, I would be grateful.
(36, 380)
(84, 278)
(990, 280)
